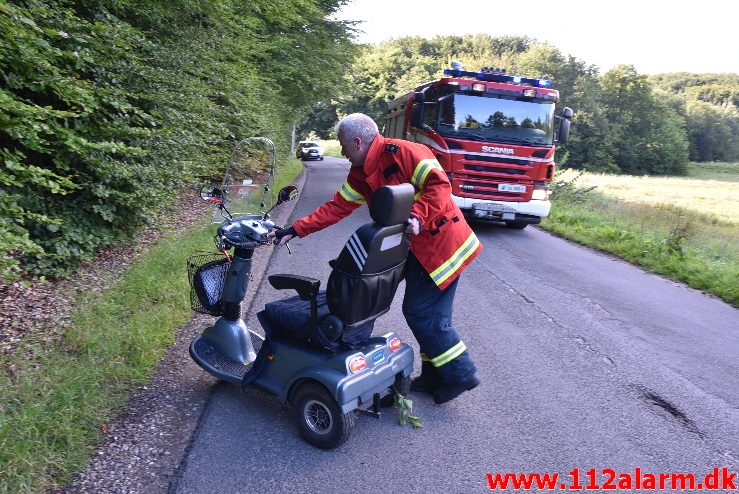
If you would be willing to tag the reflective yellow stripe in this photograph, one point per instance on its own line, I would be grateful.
(416, 195)
(422, 171)
(449, 355)
(440, 274)
(351, 195)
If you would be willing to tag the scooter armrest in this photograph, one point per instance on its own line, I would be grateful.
(306, 287)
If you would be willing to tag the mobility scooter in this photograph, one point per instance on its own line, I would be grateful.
(317, 351)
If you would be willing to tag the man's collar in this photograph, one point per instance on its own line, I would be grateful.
(372, 160)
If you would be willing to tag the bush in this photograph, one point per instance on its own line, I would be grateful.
(107, 109)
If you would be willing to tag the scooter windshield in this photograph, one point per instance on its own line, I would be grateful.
(248, 183)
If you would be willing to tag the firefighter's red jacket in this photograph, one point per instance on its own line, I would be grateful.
(446, 244)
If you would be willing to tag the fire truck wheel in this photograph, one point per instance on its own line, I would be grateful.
(516, 225)
(319, 417)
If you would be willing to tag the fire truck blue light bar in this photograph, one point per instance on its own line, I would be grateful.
(498, 77)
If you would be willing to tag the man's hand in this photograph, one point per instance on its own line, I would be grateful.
(283, 235)
(414, 226)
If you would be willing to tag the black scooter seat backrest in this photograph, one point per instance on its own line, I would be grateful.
(369, 268)
(373, 249)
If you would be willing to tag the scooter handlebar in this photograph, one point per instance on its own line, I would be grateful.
(250, 244)
(280, 233)
(244, 233)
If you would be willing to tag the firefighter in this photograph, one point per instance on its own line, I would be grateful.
(442, 245)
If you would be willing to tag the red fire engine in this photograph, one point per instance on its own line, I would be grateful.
(494, 134)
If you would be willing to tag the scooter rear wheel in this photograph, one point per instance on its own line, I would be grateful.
(319, 417)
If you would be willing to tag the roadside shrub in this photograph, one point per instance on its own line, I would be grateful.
(108, 109)
(565, 187)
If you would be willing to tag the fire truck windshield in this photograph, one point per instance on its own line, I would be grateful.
(495, 119)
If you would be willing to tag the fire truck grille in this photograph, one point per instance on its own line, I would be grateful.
(495, 159)
(484, 168)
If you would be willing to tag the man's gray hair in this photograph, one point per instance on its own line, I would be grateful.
(357, 125)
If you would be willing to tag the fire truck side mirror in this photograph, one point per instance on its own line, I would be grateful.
(564, 125)
(417, 116)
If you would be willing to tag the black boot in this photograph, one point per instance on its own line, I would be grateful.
(428, 381)
(447, 392)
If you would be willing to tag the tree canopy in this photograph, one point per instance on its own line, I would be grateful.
(107, 107)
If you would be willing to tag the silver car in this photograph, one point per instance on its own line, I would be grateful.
(309, 150)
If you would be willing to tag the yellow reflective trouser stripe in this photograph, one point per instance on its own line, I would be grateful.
(351, 195)
(449, 355)
(423, 168)
(440, 274)
(416, 195)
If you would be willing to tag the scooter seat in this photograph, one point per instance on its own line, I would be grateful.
(291, 318)
(361, 286)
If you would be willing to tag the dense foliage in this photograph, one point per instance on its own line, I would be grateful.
(710, 105)
(624, 121)
(107, 107)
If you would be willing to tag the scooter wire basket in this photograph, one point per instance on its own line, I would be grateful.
(207, 274)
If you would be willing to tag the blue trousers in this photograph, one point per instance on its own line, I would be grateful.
(428, 312)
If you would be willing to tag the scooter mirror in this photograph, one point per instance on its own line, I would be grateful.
(212, 195)
(287, 193)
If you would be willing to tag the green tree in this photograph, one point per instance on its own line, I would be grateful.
(109, 107)
(647, 132)
(710, 104)
(713, 132)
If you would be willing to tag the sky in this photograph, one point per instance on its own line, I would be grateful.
(655, 36)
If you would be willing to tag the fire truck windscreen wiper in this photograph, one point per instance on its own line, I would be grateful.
(470, 136)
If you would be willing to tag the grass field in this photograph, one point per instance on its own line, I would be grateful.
(717, 199)
(686, 228)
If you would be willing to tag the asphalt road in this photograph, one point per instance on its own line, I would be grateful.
(585, 361)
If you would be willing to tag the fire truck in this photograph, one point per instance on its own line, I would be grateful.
(494, 134)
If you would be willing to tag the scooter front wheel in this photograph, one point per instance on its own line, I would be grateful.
(319, 417)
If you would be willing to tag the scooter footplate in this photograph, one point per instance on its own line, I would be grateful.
(218, 364)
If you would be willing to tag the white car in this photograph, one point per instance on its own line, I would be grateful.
(309, 150)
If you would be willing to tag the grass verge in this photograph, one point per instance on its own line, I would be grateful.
(53, 408)
(697, 248)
